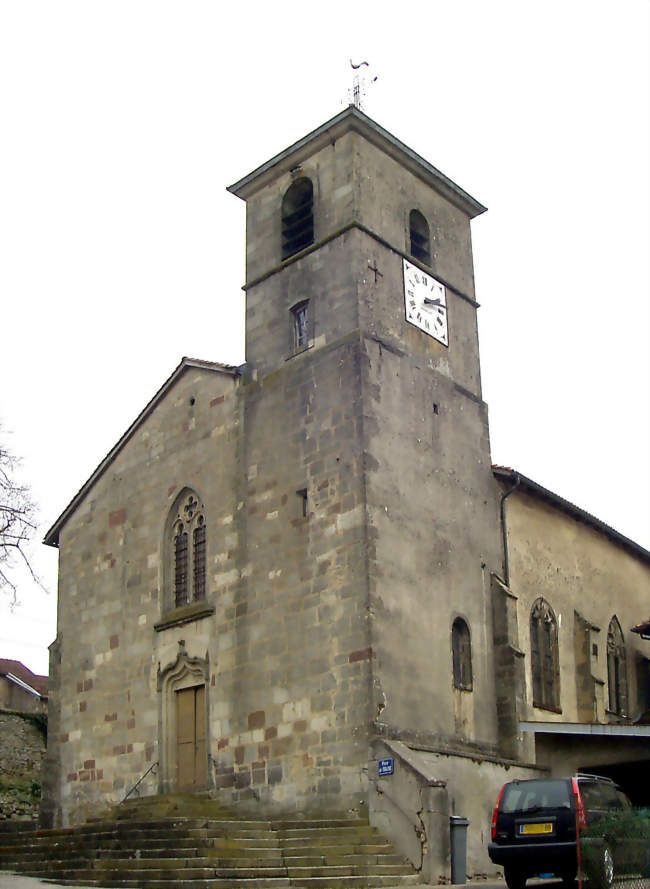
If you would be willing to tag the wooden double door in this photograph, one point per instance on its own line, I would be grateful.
(191, 747)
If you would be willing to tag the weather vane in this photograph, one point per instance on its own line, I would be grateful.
(361, 80)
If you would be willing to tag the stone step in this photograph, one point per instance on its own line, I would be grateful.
(307, 824)
(137, 839)
(348, 870)
(336, 860)
(74, 879)
(379, 848)
(199, 853)
(307, 833)
(367, 882)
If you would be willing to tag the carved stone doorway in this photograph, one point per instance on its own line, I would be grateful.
(183, 723)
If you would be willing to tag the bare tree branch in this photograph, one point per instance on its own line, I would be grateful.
(17, 524)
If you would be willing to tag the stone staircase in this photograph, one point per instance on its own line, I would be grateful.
(204, 852)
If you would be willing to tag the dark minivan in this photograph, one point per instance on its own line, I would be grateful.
(534, 827)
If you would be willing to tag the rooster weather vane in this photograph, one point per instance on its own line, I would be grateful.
(361, 80)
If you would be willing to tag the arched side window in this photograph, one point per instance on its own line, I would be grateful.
(616, 671)
(544, 658)
(420, 247)
(297, 217)
(186, 550)
(461, 654)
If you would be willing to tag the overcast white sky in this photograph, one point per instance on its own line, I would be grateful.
(120, 250)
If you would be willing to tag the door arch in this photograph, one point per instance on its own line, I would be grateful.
(182, 688)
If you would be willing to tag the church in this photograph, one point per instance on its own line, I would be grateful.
(300, 586)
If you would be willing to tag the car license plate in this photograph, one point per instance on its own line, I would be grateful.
(535, 829)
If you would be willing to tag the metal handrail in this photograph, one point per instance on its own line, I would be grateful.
(152, 767)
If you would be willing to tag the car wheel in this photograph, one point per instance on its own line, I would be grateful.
(604, 875)
(514, 878)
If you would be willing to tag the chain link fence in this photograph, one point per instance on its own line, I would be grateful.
(616, 850)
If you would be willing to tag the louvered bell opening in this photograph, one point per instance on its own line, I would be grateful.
(419, 234)
(297, 218)
(420, 247)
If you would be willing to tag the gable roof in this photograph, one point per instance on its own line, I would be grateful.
(351, 119)
(505, 473)
(15, 670)
(52, 536)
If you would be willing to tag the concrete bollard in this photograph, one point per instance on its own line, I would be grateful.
(458, 828)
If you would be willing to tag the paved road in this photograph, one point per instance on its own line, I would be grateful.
(15, 881)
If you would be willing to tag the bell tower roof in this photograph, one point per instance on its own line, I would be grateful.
(354, 120)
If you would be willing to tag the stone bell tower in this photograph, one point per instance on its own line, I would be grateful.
(372, 523)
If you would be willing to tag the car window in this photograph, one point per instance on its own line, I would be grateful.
(623, 800)
(524, 796)
(591, 797)
(614, 798)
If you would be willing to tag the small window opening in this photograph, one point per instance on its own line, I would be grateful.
(419, 237)
(300, 325)
(435, 408)
(297, 217)
(304, 505)
(461, 649)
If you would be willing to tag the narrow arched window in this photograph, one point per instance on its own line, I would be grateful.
(461, 654)
(544, 658)
(419, 237)
(616, 671)
(186, 550)
(297, 217)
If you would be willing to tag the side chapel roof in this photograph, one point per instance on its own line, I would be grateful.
(505, 473)
(52, 536)
(18, 671)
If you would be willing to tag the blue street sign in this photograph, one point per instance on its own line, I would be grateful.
(385, 767)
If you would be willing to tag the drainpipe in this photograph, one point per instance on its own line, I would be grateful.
(504, 529)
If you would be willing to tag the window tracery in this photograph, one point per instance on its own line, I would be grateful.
(544, 657)
(616, 671)
(188, 539)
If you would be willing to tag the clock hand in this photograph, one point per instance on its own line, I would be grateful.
(431, 302)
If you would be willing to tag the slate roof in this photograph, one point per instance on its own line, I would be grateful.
(52, 536)
(506, 473)
(20, 671)
(352, 119)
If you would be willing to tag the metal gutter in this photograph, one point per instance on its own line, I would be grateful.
(23, 685)
(582, 728)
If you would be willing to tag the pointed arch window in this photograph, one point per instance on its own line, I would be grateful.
(461, 653)
(420, 246)
(616, 669)
(187, 544)
(297, 217)
(544, 657)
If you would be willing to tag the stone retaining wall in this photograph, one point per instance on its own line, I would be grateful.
(22, 750)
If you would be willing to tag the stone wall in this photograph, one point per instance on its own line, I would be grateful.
(22, 750)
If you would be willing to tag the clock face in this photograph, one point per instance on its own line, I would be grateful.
(425, 301)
